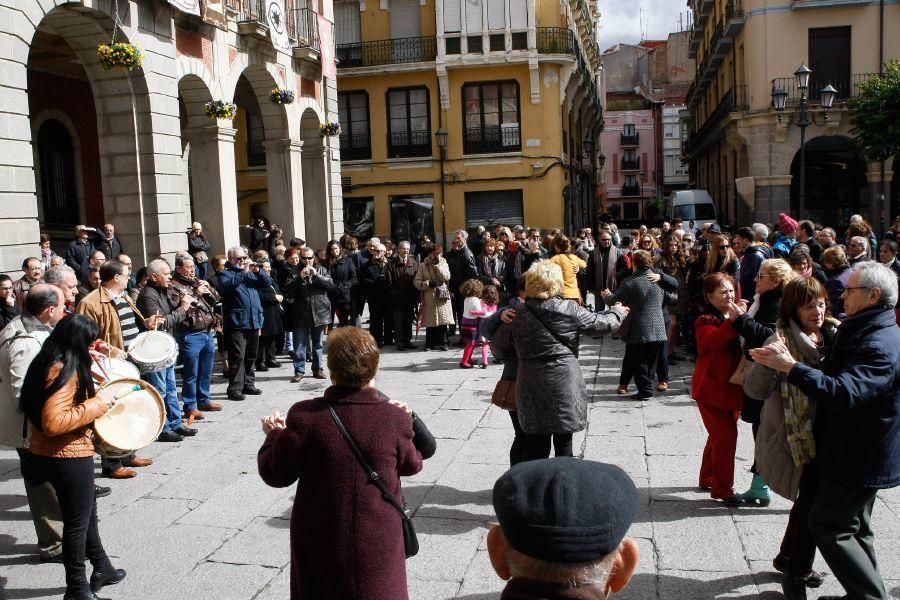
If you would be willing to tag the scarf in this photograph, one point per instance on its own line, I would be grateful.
(612, 257)
(754, 308)
(799, 411)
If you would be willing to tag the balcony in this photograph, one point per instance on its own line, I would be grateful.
(303, 29)
(486, 140)
(355, 147)
(711, 130)
(719, 45)
(629, 139)
(735, 17)
(408, 144)
(251, 17)
(847, 86)
(387, 52)
(704, 9)
(631, 165)
(555, 40)
(631, 190)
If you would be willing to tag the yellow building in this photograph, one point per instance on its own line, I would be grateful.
(512, 84)
(739, 149)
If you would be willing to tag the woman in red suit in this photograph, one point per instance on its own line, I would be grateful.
(718, 354)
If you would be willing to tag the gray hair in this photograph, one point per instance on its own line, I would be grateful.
(760, 232)
(155, 266)
(829, 231)
(462, 233)
(595, 572)
(56, 275)
(235, 249)
(40, 297)
(860, 240)
(875, 275)
(182, 259)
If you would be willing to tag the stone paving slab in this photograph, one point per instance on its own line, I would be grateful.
(200, 524)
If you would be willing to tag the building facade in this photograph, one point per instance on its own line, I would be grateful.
(629, 142)
(86, 144)
(456, 114)
(675, 171)
(738, 148)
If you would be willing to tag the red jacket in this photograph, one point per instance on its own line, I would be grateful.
(718, 355)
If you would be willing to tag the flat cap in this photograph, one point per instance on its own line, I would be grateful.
(714, 229)
(565, 510)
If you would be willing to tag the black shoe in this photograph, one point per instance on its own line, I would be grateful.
(169, 436)
(400, 347)
(101, 491)
(812, 579)
(443, 348)
(733, 501)
(186, 431)
(86, 595)
(261, 368)
(793, 587)
(640, 396)
(252, 391)
(409, 346)
(273, 364)
(102, 578)
(236, 397)
(51, 558)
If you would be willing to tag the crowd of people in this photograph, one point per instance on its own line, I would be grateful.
(792, 330)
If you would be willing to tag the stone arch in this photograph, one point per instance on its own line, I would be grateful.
(37, 121)
(262, 77)
(835, 180)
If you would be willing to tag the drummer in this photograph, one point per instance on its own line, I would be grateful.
(120, 322)
(155, 299)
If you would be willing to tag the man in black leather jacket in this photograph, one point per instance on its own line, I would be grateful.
(311, 312)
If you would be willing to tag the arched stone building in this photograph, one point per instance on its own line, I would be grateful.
(81, 144)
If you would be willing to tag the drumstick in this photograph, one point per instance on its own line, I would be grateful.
(100, 364)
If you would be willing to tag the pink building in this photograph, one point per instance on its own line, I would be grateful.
(629, 143)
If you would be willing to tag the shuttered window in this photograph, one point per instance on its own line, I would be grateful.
(496, 14)
(502, 207)
(346, 22)
(452, 20)
(518, 14)
(473, 16)
(406, 19)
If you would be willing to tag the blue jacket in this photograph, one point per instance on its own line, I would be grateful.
(857, 426)
(241, 306)
(753, 257)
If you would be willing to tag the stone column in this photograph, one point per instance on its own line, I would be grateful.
(213, 184)
(773, 196)
(285, 183)
(316, 198)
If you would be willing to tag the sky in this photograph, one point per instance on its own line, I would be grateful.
(620, 20)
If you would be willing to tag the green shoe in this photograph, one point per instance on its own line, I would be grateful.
(758, 494)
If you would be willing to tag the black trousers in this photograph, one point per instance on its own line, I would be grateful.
(403, 322)
(456, 304)
(536, 447)
(381, 321)
(640, 362)
(516, 454)
(73, 480)
(266, 352)
(798, 545)
(242, 346)
(436, 336)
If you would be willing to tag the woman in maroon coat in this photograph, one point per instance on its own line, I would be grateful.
(346, 540)
(718, 355)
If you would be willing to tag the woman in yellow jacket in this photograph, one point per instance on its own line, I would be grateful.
(59, 402)
(570, 265)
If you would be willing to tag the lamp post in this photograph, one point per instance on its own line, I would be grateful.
(642, 178)
(779, 99)
(441, 137)
(584, 209)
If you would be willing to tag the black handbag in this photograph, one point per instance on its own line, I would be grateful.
(410, 541)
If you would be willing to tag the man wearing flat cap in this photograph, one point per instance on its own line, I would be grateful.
(562, 530)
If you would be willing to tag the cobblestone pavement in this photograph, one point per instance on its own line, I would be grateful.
(200, 524)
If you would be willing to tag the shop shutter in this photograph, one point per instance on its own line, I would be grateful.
(346, 19)
(494, 208)
(406, 19)
(518, 14)
(473, 16)
(496, 14)
(452, 21)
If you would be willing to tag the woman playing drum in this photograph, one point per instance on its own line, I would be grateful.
(58, 399)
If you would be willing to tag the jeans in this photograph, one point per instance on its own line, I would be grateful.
(242, 346)
(301, 334)
(73, 480)
(45, 513)
(164, 382)
(198, 351)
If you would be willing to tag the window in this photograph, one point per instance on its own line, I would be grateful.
(409, 128)
(57, 163)
(475, 43)
(359, 217)
(491, 117)
(353, 115)
(412, 216)
(669, 130)
(520, 40)
(829, 59)
(253, 123)
(628, 130)
(631, 211)
(453, 45)
(498, 42)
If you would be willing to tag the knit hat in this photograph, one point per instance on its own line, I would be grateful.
(787, 224)
(565, 510)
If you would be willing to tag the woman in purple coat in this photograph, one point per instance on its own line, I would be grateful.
(346, 540)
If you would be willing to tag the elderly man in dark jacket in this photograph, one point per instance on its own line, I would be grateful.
(752, 257)
(399, 274)
(242, 317)
(462, 268)
(606, 268)
(155, 299)
(857, 427)
(311, 313)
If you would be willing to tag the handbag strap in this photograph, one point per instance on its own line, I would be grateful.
(550, 331)
(370, 472)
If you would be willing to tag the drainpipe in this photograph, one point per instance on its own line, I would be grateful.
(885, 210)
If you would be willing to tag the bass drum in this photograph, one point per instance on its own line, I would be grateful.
(135, 421)
(153, 351)
(113, 369)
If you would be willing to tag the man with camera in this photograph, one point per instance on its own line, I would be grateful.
(311, 313)
(242, 315)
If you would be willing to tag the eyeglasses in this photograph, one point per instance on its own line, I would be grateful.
(724, 247)
(760, 276)
(6, 289)
(308, 257)
(858, 287)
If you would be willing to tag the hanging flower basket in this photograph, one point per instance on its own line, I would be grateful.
(119, 55)
(218, 109)
(329, 129)
(277, 96)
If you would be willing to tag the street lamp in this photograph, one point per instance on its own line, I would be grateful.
(441, 137)
(602, 160)
(642, 178)
(827, 96)
(588, 145)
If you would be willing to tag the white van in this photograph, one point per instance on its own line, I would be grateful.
(691, 205)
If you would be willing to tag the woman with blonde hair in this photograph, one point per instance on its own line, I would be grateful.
(722, 258)
(551, 396)
(570, 265)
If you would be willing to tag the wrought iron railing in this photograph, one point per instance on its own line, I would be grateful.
(303, 28)
(387, 52)
(734, 9)
(631, 190)
(248, 10)
(847, 86)
(406, 144)
(629, 140)
(631, 165)
(555, 40)
(483, 140)
(355, 147)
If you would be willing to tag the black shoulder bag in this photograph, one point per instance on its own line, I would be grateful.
(410, 541)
